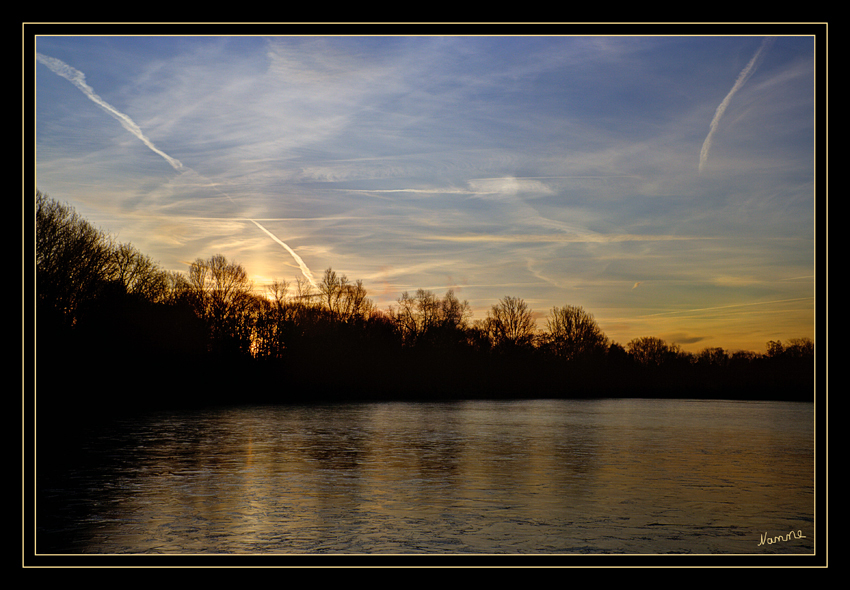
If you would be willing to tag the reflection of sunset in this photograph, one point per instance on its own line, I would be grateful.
(651, 476)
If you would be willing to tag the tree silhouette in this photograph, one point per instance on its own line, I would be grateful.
(73, 261)
(800, 348)
(220, 293)
(650, 351)
(712, 357)
(345, 301)
(107, 309)
(425, 319)
(510, 324)
(574, 334)
(137, 274)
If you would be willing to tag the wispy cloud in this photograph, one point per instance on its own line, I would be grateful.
(742, 79)
(566, 238)
(77, 78)
(559, 169)
(733, 306)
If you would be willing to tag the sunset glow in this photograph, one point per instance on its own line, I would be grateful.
(665, 184)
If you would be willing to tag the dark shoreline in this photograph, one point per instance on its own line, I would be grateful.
(76, 389)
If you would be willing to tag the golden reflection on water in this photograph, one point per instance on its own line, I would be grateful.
(478, 477)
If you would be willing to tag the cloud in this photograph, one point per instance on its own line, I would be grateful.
(732, 306)
(566, 238)
(742, 78)
(556, 169)
(77, 78)
(508, 185)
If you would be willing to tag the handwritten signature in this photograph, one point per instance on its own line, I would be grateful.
(778, 538)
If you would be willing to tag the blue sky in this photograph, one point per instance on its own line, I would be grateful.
(665, 184)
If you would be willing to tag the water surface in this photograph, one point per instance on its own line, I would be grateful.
(530, 477)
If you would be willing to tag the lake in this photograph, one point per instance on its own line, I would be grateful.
(619, 476)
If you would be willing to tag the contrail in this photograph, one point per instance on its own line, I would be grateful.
(304, 270)
(78, 79)
(742, 78)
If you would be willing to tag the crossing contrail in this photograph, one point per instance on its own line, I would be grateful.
(742, 78)
(78, 79)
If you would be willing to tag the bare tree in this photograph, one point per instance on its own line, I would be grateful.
(713, 357)
(793, 348)
(510, 323)
(453, 313)
(573, 333)
(775, 348)
(425, 316)
(345, 301)
(800, 348)
(414, 315)
(278, 292)
(331, 290)
(221, 294)
(652, 351)
(138, 274)
(73, 259)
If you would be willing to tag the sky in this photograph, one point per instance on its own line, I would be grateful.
(665, 184)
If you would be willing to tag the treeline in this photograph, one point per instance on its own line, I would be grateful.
(115, 330)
